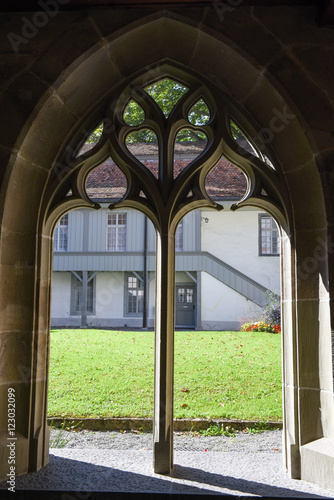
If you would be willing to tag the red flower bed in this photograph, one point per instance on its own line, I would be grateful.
(261, 326)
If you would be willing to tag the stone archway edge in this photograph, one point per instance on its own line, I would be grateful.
(146, 424)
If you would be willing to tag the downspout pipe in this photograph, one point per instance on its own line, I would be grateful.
(145, 283)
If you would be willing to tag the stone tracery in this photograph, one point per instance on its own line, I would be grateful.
(165, 199)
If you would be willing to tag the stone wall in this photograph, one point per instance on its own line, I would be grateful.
(275, 65)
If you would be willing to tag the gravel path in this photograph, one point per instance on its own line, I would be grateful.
(242, 442)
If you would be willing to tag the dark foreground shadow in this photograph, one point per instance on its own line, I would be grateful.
(67, 479)
(237, 484)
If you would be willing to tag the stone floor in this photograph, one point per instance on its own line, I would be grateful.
(76, 472)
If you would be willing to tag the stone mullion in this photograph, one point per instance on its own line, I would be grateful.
(290, 380)
(164, 352)
(84, 299)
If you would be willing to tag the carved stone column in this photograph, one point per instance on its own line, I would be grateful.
(164, 354)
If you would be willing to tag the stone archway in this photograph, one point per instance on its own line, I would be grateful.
(76, 99)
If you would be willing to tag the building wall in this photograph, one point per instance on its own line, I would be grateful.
(61, 295)
(221, 307)
(75, 230)
(234, 238)
(109, 298)
(97, 231)
(109, 295)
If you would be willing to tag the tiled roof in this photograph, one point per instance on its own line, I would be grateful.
(224, 181)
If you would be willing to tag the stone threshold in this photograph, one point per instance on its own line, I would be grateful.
(146, 424)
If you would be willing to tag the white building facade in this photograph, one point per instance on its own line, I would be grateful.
(225, 262)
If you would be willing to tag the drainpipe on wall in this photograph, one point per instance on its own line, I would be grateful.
(85, 237)
(145, 281)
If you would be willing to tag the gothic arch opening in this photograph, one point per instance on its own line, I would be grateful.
(87, 229)
(166, 198)
(58, 120)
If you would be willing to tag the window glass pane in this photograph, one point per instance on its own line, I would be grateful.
(77, 298)
(113, 236)
(62, 238)
(131, 301)
(90, 296)
(140, 301)
(116, 232)
(121, 238)
(77, 306)
(179, 237)
(269, 236)
(180, 295)
(60, 235)
(132, 282)
(265, 222)
(135, 295)
(121, 218)
(190, 295)
(56, 238)
(275, 243)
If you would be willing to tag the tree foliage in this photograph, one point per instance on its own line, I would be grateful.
(237, 134)
(166, 93)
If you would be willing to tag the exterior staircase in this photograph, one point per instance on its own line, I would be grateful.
(230, 276)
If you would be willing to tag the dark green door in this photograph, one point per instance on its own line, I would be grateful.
(185, 306)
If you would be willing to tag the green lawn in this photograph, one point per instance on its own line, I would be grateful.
(100, 373)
